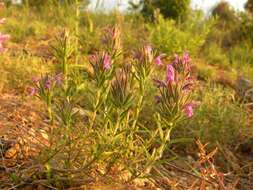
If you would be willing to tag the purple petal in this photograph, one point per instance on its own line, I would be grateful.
(186, 58)
(188, 110)
(170, 75)
(107, 62)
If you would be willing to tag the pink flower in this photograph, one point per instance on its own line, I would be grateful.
(148, 52)
(186, 58)
(32, 91)
(2, 20)
(36, 80)
(148, 49)
(4, 37)
(48, 84)
(170, 76)
(188, 110)
(158, 59)
(58, 79)
(107, 62)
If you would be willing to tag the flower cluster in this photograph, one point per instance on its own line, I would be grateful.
(121, 95)
(3, 37)
(44, 85)
(143, 62)
(112, 40)
(102, 67)
(175, 91)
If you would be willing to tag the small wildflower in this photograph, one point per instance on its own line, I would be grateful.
(58, 79)
(186, 58)
(32, 91)
(36, 80)
(158, 60)
(148, 52)
(2, 20)
(48, 84)
(4, 37)
(176, 59)
(170, 76)
(188, 109)
(107, 62)
(148, 49)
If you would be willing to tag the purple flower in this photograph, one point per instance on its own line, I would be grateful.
(158, 59)
(176, 59)
(48, 84)
(36, 80)
(32, 91)
(170, 76)
(148, 52)
(2, 20)
(186, 58)
(188, 110)
(4, 37)
(58, 79)
(147, 49)
(107, 62)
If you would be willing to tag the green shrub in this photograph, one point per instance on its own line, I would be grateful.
(249, 6)
(205, 72)
(170, 37)
(175, 9)
(42, 3)
(18, 66)
(241, 55)
(219, 118)
(215, 55)
(22, 29)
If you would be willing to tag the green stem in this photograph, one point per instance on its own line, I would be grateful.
(50, 114)
(117, 126)
(139, 104)
(93, 118)
(77, 30)
(164, 143)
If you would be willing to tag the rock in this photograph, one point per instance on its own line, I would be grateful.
(248, 97)
(247, 147)
(241, 86)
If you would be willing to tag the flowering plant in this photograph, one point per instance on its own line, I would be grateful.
(3, 37)
(44, 89)
(175, 91)
(111, 133)
(174, 101)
